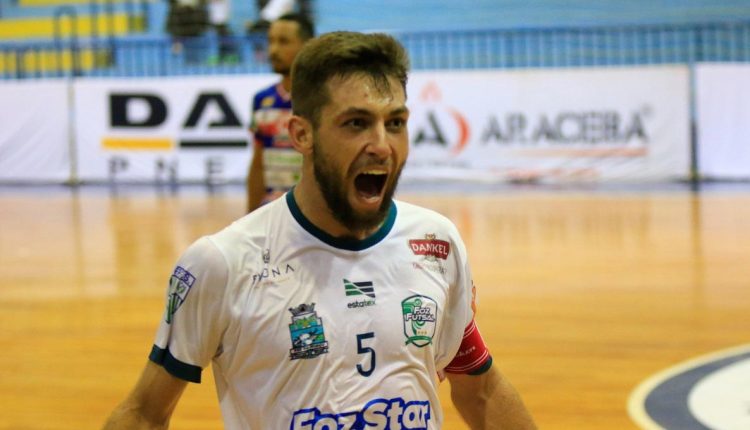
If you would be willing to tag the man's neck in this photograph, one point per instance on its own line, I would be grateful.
(286, 82)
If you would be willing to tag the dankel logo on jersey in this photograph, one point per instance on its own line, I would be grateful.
(378, 414)
(432, 250)
(430, 247)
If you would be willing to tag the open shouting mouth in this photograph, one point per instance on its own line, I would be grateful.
(370, 184)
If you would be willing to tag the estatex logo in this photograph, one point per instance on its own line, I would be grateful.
(360, 290)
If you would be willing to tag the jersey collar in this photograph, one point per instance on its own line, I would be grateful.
(283, 93)
(347, 244)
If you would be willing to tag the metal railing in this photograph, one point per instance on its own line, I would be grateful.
(580, 47)
(485, 49)
(67, 46)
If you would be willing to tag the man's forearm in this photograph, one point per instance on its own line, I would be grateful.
(127, 418)
(489, 401)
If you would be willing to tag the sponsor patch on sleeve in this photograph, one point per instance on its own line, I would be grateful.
(179, 286)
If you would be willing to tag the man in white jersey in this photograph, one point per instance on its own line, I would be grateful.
(334, 307)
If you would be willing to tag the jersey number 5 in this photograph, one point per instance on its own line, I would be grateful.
(361, 349)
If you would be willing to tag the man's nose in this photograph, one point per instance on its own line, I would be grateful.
(379, 145)
(272, 48)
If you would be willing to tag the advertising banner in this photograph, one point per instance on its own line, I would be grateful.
(624, 124)
(34, 131)
(177, 129)
(723, 109)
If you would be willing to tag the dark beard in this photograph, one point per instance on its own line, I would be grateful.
(283, 71)
(280, 69)
(334, 192)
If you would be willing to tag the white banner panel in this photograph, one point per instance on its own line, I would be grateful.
(723, 109)
(34, 131)
(165, 129)
(625, 124)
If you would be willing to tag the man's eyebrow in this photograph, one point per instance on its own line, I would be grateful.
(400, 110)
(355, 111)
(362, 111)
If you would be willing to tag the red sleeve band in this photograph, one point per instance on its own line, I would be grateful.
(472, 357)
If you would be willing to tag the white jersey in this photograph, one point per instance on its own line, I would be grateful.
(306, 331)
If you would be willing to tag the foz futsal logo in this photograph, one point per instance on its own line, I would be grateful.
(420, 319)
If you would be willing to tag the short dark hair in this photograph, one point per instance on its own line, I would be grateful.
(306, 27)
(342, 54)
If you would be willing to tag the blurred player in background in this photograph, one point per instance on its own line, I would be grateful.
(275, 165)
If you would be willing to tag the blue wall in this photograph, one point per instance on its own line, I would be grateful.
(399, 15)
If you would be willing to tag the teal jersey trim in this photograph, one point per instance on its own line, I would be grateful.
(485, 367)
(174, 366)
(342, 243)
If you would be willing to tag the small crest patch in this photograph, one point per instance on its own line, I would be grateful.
(420, 319)
(179, 286)
(267, 101)
(306, 329)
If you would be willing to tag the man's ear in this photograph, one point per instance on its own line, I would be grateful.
(301, 133)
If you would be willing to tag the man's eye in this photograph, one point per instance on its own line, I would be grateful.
(396, 123)
(355, 123)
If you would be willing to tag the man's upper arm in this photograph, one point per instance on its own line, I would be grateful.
(190, 333)
(157, 390)
(151, 403)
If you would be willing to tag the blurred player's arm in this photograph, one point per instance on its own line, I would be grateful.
(488, 401)
(256, 187)
(151, 403)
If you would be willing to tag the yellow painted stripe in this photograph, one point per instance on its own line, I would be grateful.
(36, 3)
(20, 28)
(33, 3)
(50, 60)
(133, 143)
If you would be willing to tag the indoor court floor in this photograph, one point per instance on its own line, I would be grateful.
(584, 292)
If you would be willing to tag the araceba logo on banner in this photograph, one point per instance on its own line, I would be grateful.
(594, 132)
(564, 144)
(439, 126)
